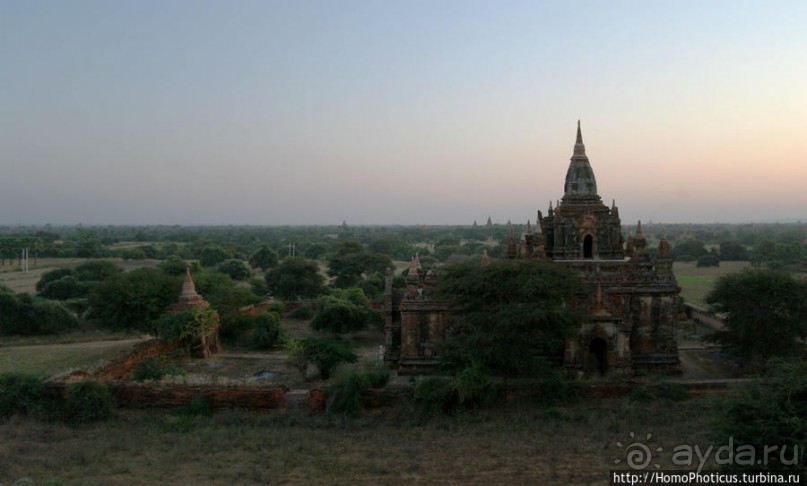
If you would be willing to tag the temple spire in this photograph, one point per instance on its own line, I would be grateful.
(580, 179)
(579, 148)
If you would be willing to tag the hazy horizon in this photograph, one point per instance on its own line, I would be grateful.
(398, 113)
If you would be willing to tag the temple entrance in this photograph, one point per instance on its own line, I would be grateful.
(588, 247)
(598, 355)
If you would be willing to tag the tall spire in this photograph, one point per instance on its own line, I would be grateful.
(579, 148)
(580, 179)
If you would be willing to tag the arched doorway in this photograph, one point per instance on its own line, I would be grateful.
(588, 247)
(598, 355)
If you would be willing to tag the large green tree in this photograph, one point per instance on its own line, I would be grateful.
(766, 314)
(264, 258)
(508, 315)
(131, 300)
(351, 261)
(295, 278)
(343, 311)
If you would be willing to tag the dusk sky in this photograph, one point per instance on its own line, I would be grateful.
(398, 112)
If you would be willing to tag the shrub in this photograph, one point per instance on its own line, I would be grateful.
(154, 368)
(268, 331)
(345, 394)
(302, 313)
(52, 276)
(436, 396)
(24, 315)
(771, 410)
(474, 388)
(22, 394)
(88, 401)
(708, 260)
(377, 375)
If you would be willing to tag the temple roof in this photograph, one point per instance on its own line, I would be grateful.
(580, 176)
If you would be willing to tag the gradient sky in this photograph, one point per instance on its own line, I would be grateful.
(398, 112)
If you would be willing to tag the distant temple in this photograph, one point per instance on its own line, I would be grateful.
(632, 298)
(188, 299)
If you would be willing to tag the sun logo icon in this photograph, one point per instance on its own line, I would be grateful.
(637, 454)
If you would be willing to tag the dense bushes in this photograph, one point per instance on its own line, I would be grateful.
(345, 394)
(88, 401)
(130, 300)
(23, 394)
(770, 411)
(342, 312)
(84, 401)
(25, 315)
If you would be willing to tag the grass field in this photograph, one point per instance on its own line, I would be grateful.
(515, 443)
(53, 359)
(697, 282)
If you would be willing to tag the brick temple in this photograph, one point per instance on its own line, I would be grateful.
(631, 297)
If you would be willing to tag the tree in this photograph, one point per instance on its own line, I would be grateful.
(236, 269)
(732, 251)
(131, 300)
(224, 295)
(766, 314)
(265, 258)
(342, 312)
(213, 255)
(96, 270)
(295, 278)
(352, 260)
(506, 314)
(693, 248)
(325, 353)
(25, 315)
(708, 260)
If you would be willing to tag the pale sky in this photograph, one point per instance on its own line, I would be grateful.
(398, 112)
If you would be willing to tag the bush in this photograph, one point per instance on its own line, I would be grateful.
(88, 401)
(474, 388)
(24, 315)
(52, 276)
(770, 411)
(64, 288)
(154, 368)
(302, 313)
(344, 396)
(23, 394)
(268, 331)
(708, 260)
(436, 396)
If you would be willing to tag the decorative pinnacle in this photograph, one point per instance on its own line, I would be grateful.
(639, 233)
(579, 148)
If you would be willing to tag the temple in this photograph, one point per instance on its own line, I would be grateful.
(631, 297)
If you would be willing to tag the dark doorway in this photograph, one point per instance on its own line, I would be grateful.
(598, 355)
(588, 247)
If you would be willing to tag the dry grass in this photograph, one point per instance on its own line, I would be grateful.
(518, 443)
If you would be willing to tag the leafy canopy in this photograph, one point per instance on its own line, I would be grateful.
(507, 314)
(766, 314)
(295, 278)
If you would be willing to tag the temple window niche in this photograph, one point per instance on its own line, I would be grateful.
(588, 247)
